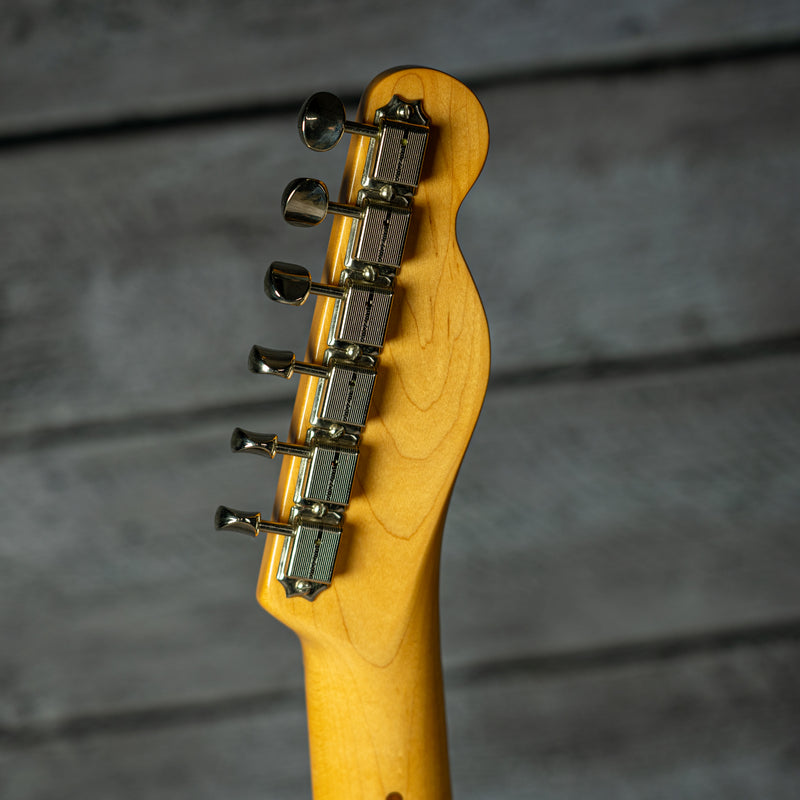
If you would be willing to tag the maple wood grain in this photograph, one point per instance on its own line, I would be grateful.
(371, 641)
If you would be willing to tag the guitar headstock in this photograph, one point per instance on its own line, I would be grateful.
(395, 372)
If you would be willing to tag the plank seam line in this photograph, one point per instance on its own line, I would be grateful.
(691, 57)
(138, 425)
(151, 718)
(291, 699)
(687, 58)
(558, 374)
(615, 656)
(596, 369)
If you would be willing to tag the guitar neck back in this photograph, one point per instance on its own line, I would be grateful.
(370, 636)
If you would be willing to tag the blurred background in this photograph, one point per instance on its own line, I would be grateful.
(620, 575)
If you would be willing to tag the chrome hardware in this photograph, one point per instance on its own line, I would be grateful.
(400, 150)
(347, 391)
(248, 523)
(382, 211)
(264, 444)
(329, 469)
(381, 234)
(322, 122)
(380, 237)
(305, 202)
(307, 559)
(309, 551)
(402, 110)
(362, 317)
(327, 473)
(266, 361)
(312, 556)
(291, 284)
(346, 395)
(400, 135)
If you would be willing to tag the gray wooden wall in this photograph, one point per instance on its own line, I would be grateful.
(621, 571)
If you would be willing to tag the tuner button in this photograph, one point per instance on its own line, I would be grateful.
(248, 523)
(229, 519)
(271, 362)
(243, 441)
(305, 203)
(281, 362)
(291, 284)
(287, 283)
(322, 122)
(265, 444)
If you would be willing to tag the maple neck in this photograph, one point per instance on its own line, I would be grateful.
(371, 645)
(377, 726)
(351, 558)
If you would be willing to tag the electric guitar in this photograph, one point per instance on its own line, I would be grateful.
(388, 396)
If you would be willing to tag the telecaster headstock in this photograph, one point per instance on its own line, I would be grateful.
(395, 372)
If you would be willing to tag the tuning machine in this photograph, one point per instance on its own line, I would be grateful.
(309, 556)
(380, 235)
(329, 464)
(363, 314)
(399, 137)
(381, 211)
(347, 389)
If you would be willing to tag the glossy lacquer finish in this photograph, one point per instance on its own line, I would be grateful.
(371, 640)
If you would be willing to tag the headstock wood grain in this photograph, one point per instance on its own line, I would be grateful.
(371, 639)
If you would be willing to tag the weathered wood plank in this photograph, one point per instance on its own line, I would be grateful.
(711, 726)
(615, 218)
(585, 515)
(638, 215)
(133, 272)
(610, 511)
(76, 63)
